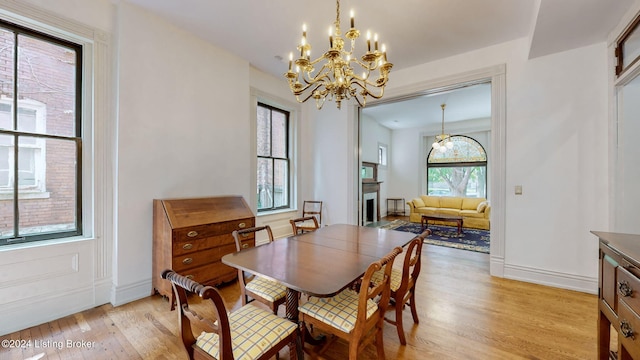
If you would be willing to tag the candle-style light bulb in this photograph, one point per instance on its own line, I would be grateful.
(352, 19)
(375, 39)
(330, 37)
(368, 40)
(290, 60)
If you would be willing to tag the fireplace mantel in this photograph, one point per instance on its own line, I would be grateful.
(370, 184)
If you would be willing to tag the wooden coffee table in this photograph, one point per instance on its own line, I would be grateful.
(424, 220)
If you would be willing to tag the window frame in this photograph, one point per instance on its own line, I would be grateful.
(621, 42)
(458, 163)
(77, 137)
(287, 160)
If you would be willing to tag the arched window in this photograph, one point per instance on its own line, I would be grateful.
(459, 171)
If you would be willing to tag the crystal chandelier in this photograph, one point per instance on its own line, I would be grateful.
(443, 141)
(336, 79)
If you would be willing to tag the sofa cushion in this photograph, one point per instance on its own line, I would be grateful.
(482, 206)
(417, 202)
(431, 201)
(471, 203)
(451, 202)
(427, 210)
(445, 211)
(471, 214)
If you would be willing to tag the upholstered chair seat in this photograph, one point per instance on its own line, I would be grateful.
(254, 331)
(340, 311)
(267, 289)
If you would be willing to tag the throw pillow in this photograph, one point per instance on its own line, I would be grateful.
(417, 202)
(482, 206)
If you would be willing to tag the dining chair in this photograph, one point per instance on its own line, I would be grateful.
(354, 316)
(247, 333)
(403, 284)
(304, 224)
(268, 292)
(313, 208)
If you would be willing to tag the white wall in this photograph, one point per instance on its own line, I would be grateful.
(179, 135)
(373, 134)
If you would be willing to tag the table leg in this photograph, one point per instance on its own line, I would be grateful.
(292, 314)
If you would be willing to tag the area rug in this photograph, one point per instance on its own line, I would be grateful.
(470, 239)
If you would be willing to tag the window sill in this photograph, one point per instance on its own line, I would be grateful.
(26, 195)
(276, 212)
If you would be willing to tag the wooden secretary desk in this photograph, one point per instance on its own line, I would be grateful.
(191, 235)
(619, 295)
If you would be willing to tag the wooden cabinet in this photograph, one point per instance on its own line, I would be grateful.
(190, 236)
(619, 295)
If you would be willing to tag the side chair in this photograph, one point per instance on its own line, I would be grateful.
(313, 208)
(354, 316)
(247, 333)
(268, 292)
(403, 284)
(304, 224)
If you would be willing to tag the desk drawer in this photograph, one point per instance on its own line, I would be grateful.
(193, 245)
(628, 328)
(628, 288)
(208, 230)
(211, 274)
(203, 257)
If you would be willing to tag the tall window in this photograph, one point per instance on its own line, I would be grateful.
(460, 171)
(273, 158)
(40, 136)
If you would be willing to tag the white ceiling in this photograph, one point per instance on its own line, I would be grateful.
(414, 31)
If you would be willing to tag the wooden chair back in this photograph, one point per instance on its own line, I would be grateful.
(240, 236)
(181, 285)
(366, 330)
(304, 224)
(219, 325)
(406, 292)
(313, 208)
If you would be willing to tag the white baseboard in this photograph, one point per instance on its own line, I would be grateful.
(552, 278)
(131, 292)
(38, 310)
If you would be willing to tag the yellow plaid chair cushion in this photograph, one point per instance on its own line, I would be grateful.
(267, 289)
(339, 311)
(396, 278)
(253, 332)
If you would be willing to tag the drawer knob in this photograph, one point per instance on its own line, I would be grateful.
(192, 233)
(624, 289)
(244, 246)
(625, 329)
(242, 225)
(189, 277)
(187, 246)
(187, 261)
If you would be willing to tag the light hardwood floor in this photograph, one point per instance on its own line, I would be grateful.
(464, 314)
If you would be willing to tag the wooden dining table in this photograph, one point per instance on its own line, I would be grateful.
(320, 263)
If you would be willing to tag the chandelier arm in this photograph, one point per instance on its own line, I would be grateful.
(318, 78)
(322, 73)
(366, 90)
(308, 96)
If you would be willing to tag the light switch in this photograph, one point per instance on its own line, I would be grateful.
(518, 189)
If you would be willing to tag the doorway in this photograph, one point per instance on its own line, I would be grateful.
(411, 155)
